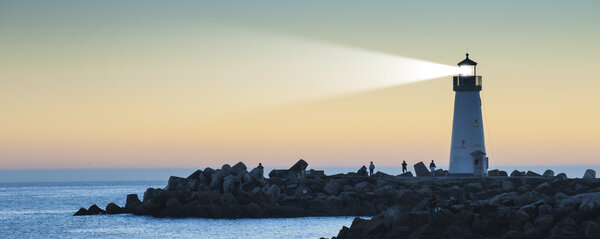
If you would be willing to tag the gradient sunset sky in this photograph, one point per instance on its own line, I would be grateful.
(143, 84)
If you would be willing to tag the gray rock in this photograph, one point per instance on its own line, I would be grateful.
(238, 168)
(545, 210)
(592, 230)
(95, 210)
(474, 187)
(502, 173)
(299, 166)
(407, 174)
(532, 174)
(273, 192)
(561, 175)
(225, 170)
(513, 235)
(548, 173)
(113, 208)
(531, 231)
(545, 188)
(494, 173)
(566, 229)
(208, 171)
(253, 210)
(516, 173)
(333, 187)
(543, 222)
(175, 183)
(258, 173)
(517, 219)
(458, 231)
(81, 212)
(590, 173)
(195, 175)
(362, 186)
(216, 180)
(507, 185)
(440, 172)
(421, 170)
(173, 203)
(132, 200)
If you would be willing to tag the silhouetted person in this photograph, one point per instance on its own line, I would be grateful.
(371, 168)
(404, 166)
(432, 168)
(432, 207)
(362, 171)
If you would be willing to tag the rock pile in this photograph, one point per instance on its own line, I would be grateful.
(491, 208)
(233, 192)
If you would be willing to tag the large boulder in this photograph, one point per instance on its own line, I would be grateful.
(407, 174)
(590, 173)
(333, 187)
(273, 192)
(226, 170)
(257, 173)
(421, 170)
(545, 188)
(299, 166)
(175, 183)
(95, 210)
(562, 175)
(592, 230)
(508, 185)
(548, 173)
(502, 173)
(516, 173)
(440, 172)
(494, 173)
(253, 210)
(195, 175)
(238, 168)
(532, 174)
(132, 201)
(81, 212)
(113, 208)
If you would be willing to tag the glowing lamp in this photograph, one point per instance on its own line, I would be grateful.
(467, 67)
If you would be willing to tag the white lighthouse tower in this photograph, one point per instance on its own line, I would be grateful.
(467, 151)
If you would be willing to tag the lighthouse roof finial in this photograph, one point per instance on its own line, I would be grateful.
(467, 61)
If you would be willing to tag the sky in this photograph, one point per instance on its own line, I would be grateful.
(191, 84)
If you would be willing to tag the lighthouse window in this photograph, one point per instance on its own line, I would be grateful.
(463, 143)
(475, 124)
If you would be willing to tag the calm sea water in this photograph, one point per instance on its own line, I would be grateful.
(35, 210)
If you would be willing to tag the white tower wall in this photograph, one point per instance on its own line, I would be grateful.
(467, 133)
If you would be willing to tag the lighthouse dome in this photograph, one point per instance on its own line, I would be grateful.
(467, 62)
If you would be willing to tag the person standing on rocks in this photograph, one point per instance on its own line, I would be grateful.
(432, 168)
(371, 168)
(432, 207)
(404, 166)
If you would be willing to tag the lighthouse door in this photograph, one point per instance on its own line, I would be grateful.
(477, 165)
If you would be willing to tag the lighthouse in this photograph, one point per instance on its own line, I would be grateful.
(467, 151)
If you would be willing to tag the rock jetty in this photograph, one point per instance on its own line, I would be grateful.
(526, 207)
(233, 192)
(522, 205)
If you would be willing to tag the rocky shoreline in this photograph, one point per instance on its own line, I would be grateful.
(513, 207)
(519, 205)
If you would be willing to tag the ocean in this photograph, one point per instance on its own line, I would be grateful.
(44, 210)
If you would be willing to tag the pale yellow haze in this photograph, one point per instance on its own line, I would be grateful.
(197, 95)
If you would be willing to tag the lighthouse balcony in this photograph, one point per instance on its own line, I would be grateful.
(467, 83)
